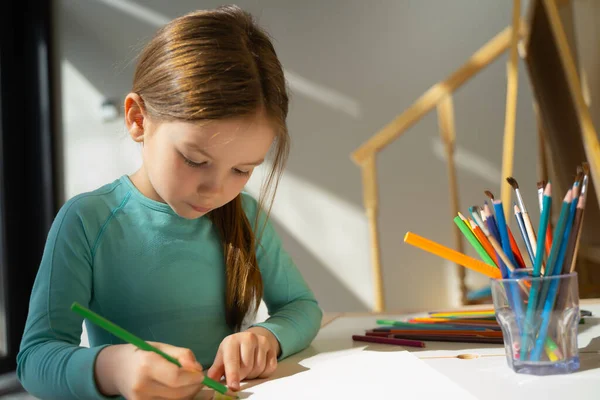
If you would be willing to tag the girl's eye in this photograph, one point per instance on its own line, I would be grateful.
(193, 164)
(240, 172)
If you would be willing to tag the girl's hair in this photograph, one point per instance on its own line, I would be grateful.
(213, 65)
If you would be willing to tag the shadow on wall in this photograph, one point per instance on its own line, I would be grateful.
(373, 62)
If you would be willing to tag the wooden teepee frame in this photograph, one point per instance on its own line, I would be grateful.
(440, 96)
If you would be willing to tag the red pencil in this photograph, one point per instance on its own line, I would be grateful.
(385, 340)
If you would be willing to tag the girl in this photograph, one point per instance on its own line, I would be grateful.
(176, 253)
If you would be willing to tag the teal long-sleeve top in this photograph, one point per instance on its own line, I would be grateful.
(162, 277)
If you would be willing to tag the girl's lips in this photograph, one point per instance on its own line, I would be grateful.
(200, 209)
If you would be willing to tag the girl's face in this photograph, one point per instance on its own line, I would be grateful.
(195, 168)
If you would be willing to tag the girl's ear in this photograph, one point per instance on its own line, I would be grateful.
(135, 117)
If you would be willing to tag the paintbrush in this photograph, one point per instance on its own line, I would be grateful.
(573, 248)
(521, 223)
(530, 232)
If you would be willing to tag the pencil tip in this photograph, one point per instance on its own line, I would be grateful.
(541, 184)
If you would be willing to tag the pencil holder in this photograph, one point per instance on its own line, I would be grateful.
(539, 318)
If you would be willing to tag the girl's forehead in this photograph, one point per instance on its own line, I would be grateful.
(250, 134)
(211, 130)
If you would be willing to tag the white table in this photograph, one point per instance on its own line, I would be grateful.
(484, 373)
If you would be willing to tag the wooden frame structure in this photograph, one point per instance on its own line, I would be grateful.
(439, 96)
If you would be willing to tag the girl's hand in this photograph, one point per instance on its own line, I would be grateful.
(137, 374)
(249, 354)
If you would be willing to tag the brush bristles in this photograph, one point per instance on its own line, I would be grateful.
(489, 194)
(512, 182)
(586, 168)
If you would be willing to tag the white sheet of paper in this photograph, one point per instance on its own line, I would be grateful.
(362, 375)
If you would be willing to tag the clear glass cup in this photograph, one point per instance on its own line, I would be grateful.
(539, 318)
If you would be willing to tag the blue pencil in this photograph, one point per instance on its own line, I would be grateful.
(559, 233)
(477, 218)
(503, 229)
(494, 226)
(493, 231)
(545, 217)
(548, 294)
(528, 331)
(513, 293)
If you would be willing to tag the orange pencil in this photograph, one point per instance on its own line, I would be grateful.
(452, 255)
(454, 321)
(464, 312)
(548, 238)
(515, 249)
(484, 241)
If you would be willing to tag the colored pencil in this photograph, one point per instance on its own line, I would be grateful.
(559, 232)
(505, 262)
(537, 266)
(472, 239)
(444, 338)
(540, 191)
(543, 226)
(408, 325)
(388, 340)
(488, 325)
(546, 290)
(502, 228)
(515, 249)
(484, 242)
(488, 333)
(140, 343)
(451, 255)
(462, 217)
(475, 212)
(464, 312)
(492, 224)
(548, 239)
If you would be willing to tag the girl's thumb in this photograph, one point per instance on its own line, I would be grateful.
(186, 357)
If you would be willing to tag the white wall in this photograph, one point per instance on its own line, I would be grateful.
(352, 66)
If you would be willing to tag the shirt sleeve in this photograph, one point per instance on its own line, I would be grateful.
(294, 313)
(51, 364)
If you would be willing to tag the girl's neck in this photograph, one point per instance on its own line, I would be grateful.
(141, 181)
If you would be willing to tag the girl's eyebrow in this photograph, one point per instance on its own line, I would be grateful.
(254, 163)
(196, 148)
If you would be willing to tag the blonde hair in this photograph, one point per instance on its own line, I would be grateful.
(213, 65)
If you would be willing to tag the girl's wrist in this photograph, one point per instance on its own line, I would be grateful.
(106, 370)
(274, 343)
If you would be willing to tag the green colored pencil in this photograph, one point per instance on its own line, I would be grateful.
(473, 240)
(139, 343)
